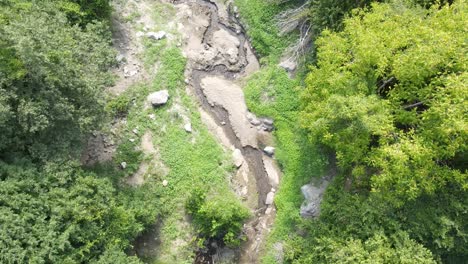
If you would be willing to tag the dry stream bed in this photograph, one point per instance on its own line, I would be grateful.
(219, 59)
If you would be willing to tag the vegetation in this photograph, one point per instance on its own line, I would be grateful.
(62, 214)
(380, 99)
(51, 81)
(218, 216)
(54, 61)
(386, 95)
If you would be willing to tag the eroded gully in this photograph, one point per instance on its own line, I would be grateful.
(219, 56)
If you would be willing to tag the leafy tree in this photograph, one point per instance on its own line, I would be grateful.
(398, 248)
(61, 214)
(116, 256)
(51, 88)
(387, 96)
(329, 14)
(92, 9)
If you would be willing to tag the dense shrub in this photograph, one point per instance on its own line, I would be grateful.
(62, 214)
(52, 79)
(218, 216)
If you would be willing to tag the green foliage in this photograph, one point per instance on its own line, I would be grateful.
(128, 152)
(379, 248)
(52, 92)
(61, 214)
(387, 96)
(119, 106)
(116, 256)
(218, 216)
(258, 15)
(380, 93)
(329, 14)
(93, 9)
(270, 92)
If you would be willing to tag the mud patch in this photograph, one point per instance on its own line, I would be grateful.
(229, 96)
(99, 149)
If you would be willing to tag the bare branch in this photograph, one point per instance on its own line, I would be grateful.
(412, 105)
(289, 20)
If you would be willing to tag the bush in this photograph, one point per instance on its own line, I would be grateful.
(218, 216)
(119, 105)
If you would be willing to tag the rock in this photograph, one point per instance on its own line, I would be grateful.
(165, 183)
(152, 116)
(156, 35)
(188, 128)
(140, 34)
(244, 191)
(186, 81)
(158, 98)
(269, 199)
(135, 131)
(270, 151)
(132, 73)
(223, 123)
(132, 140)
(268, 210)
(226, 255)
(272, 172)
(206, 57)
(252, 119)
(232, 55)
(123, 165)
(119, 58)
(267, 121)
(267, 128)
(288, 65)
(237, 157)
(313, 196)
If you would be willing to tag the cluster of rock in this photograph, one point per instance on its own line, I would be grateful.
(223, 49)
(265, 124)
(313, 194)
(152, 35)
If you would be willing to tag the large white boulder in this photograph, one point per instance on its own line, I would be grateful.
(270, 151)
(270, 198)
(156, 35)
(158, 98)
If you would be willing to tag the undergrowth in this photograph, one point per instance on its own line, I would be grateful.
(258, 17)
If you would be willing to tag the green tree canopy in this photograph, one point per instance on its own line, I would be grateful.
(388, 94)
(62, 214)
(51, 79)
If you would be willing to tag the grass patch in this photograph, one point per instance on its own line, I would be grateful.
(258, 15)
(270, 92)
